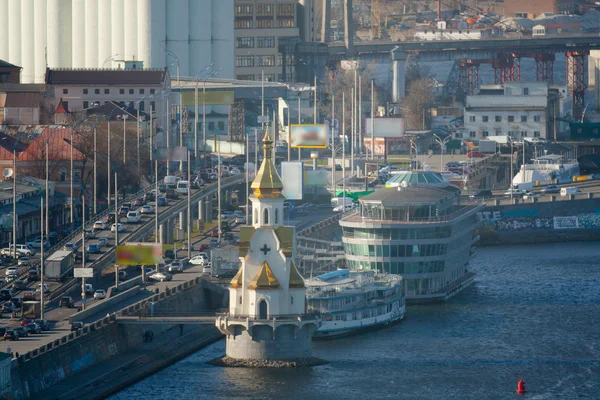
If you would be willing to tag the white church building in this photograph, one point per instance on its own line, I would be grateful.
(267, 297)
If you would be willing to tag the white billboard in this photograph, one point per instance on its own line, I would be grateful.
(309, 136)
(386, 127)
(291, 176)
(83, 272)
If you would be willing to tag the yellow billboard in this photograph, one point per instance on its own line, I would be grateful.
(139, 254)
(308, 136)
(221, 97)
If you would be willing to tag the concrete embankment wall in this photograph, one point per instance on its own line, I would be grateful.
(559, 221)
(48, 365)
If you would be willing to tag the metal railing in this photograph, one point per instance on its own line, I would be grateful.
(272, 318)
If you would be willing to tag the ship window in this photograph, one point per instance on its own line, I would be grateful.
(266, 216)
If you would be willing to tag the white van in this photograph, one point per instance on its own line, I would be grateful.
(207, 269)
(182, 187)
(133, 217)
(170, 181)
(338, 201)
(567, 191)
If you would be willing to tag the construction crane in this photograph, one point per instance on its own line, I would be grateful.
(375, 19)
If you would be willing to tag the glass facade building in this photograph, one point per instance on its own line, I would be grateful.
(424, 233)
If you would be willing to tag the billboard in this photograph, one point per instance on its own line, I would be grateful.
(221, 97)
(291, 176)
(83, 272)
(317, 177)
(139, 254)
(385, 127)
(171, 154)
(308, 136)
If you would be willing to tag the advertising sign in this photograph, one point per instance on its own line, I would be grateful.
(171, 154)
(308, 136)
(291, 176)
(221, 97)
(83, 272)
(139, 254)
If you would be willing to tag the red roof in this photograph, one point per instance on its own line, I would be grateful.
(61, 109)
(7, 144)
(59, 148)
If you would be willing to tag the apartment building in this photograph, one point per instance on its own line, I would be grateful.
(259, 25)
(516, 109)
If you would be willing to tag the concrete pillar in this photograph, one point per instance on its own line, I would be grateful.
(325, 22)
(592, 67)
(162, 233)
(399, 74)
(183, 220)
(201, 209)
(208, 213)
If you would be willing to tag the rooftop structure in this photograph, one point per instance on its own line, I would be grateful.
(425, 233)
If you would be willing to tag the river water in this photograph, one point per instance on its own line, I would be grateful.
(533, 312)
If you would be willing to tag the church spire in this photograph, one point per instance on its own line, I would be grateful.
(267, 182)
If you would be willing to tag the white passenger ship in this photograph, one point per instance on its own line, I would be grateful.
(350, 301)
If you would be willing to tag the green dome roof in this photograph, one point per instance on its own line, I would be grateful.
(417, 178)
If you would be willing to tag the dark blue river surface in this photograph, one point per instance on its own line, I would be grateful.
(533, 312)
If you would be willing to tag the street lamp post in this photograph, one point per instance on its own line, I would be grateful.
(124, 117)
(333, 144)
(14, 199)
(442, 143)
(46, 196)
(43, 194)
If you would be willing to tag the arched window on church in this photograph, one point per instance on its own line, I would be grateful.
(256, 215)
(240, 299)
(291, 299)
(266, 216)
(276, 216)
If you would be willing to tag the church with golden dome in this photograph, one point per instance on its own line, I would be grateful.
(267, 297)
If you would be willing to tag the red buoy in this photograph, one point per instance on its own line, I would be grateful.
(521, 387)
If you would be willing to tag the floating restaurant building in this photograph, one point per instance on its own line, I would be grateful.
(421, 230)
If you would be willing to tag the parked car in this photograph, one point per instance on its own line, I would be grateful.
(147, 209)
(66, 301)
(99, 294)
(169, 254)
(199, 259)
(482, 194)
(551, 189)
(24, 261)
(176, 266)
(530, 195)
(37, 243)
(162, 201)
(93, 248)
(44, 324)
(19, 285)
(33, 275)
(113, 227)
(21, 331)
(11, 335)
(101, 225)
(161, 276)
(475, 154)
(33, 328)
(75, 325)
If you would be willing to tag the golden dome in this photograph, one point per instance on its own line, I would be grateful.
(296, 281)
(265, 279)
(267, 182)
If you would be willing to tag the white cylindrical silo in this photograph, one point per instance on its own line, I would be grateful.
(4, 29)
(200, 36)
(65, 23)
(14, 25)
(39, 34)
(177, 36)
(144, 15)
(91, 33)
(53, 33)
(130, 30)
(104, 32)
(222, 34)
(117, 28)
(27, 43)
(158, 33)
(78, 33)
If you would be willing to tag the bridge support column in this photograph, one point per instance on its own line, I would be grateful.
(183, 220)
(163, 233)
(348, 25)
(399, 74)
(592, 67)
(544, 67)
(208, 205)
(576, 79)
(201, 209)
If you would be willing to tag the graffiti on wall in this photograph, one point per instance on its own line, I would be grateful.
(495, 221)
(566, 223)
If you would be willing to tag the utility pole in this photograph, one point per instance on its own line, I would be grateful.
(372, 119)
(333, 144)
(189, 208)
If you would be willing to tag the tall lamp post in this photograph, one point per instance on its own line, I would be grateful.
(108, 151)
(442, 143)
(124, 117)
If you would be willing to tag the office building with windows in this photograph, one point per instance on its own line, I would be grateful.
(420, 230)
(516, 109)
(258, 27)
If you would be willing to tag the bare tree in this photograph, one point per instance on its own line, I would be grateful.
(417, 102)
